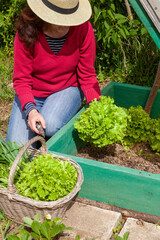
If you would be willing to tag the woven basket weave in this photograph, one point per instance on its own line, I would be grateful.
(16, 206)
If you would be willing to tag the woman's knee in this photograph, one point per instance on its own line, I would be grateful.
(60, 107)
(52, 126)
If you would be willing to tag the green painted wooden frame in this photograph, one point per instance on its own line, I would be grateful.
(124, 187)
(121, 186)
(146, 21)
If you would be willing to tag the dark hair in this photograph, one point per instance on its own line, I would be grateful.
(28, 27)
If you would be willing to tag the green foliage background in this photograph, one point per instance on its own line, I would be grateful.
(9, 10)
(125, 51)
(118, 38)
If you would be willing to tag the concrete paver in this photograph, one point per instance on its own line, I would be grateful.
(90, 222)
(140, 230)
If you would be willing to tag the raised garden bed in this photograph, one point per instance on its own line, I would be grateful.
(122, 186)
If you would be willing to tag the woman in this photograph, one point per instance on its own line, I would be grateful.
(54, 53)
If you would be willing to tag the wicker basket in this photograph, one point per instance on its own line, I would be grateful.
(16, 206)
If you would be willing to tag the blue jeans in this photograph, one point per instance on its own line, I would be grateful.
(57, 109)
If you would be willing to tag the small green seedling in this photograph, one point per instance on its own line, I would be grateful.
(2, 216)
(5, 228)
(6, 225)
(119, 227)
(140, 152)
(47, 230)
(78, 238)
(125, 236)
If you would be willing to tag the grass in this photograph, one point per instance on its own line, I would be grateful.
(6, 90)
(6, 74)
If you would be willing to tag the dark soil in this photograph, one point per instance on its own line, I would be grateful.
(139, 157)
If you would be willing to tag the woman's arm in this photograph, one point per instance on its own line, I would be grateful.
(22, 74)
(86, 71)
(22, 79)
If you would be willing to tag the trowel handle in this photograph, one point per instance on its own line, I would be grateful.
(40, 128)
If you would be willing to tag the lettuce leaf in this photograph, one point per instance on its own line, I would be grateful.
(47, 178)
(102, 123)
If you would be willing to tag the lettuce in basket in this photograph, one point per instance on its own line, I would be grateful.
(47, 178)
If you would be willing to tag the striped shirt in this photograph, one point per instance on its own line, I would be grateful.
(55, 44)
(28, 107)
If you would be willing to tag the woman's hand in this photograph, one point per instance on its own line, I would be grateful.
(33, 117)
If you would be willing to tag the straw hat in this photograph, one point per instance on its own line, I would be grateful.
(62, 12)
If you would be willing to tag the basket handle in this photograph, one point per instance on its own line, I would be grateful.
(43, 150)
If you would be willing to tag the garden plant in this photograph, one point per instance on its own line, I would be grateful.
(104, 123)
(36, 229)
(46, 178)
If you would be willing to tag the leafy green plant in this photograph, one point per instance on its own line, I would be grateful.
(140, 152)
(125, 236)
(138, 126)
(5, 236)
(119, 226)
(4, 174)
(8, 152)
(77, 237)
(6, 225)
(124, 47)
(8, 15)
(141, 128)
(46, 230)
(47, 178)
(154, 136)
(102, 123)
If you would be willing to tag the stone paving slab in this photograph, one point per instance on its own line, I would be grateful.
(140, 230)
(90, 222)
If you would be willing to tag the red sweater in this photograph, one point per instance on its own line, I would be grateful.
(39, 72)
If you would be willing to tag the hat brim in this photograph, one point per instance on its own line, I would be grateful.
(81, 15)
